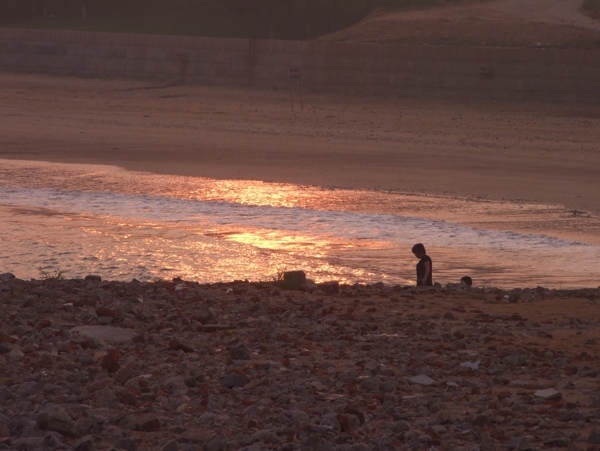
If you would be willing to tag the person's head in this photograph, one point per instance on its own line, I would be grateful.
(467, 281)
(419, 250)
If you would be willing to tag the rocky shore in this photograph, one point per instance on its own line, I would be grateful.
(96, 365)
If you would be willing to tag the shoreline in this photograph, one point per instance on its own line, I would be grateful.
(314, 289)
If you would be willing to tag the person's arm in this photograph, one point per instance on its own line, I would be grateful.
(427, 271)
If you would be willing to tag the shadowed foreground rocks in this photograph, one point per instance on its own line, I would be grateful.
(92, 365)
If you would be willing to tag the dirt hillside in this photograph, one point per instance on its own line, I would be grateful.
(505, 23)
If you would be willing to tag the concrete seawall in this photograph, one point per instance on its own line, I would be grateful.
(461, 72)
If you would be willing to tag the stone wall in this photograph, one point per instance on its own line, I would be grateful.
(463, 72)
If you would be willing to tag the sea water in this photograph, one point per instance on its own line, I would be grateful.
(83, 219)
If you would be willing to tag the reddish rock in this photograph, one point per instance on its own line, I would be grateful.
(178, 345)
(129, 399)
(345, 422)
(111, 361)
(123, 374)
(332, 287)
(147, 423)
(103, 311)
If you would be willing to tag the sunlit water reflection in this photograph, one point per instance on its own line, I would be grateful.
(120, 224)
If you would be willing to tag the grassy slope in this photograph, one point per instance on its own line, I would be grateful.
(198, 18)
(591, 8)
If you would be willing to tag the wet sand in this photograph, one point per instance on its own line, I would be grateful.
(535, 152)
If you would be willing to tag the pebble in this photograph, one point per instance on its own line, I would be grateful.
(481, 420)
(86, 443)
(55, 419)
(181, 366)
(235, 380)
(171, 445)
(214, 444)
(147, 423)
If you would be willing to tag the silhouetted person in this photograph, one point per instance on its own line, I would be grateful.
(467, 281)
(424, 267)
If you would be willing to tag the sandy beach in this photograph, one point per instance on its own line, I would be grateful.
(172, 364)
(516, 151)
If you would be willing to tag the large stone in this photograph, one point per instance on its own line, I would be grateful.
(128, 423)
(105, 333)
(123, 374)
(148, 423)
(105, 320)
(561, 442)
(28, 443)
(84, 444)
(594, 438)
(55, 419)
(310, 285)
(6, 277)
(239, 353)
(26, 389)
(331, 421)
(104, 295)
(387, 387)
(265, 435)
(203, 315)
(480, 420)
(524, 443)
(370, 384)
(175, 385)
(294, 279)
(421, 379)
(128, 444)
(105, 397)
(214, 444)
(178, 345)
(471, 365)
(53, 440)
(235, 380)
(15, 354)
(170, 446)
(549, 394)
(332, 287)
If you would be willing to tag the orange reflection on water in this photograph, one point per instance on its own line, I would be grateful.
(279, 241)
(499, 215)
(227, 247)
(259, 193)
